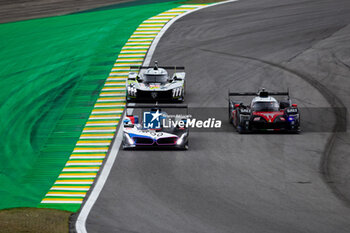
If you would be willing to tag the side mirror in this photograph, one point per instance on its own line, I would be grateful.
(132, 76)
(128, 124)
(178, 76)
(294, 105)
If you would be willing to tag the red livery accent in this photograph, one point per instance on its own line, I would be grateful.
(131, 118)
(233, 114)
(269, 116)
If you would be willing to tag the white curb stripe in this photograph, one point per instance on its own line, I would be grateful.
(109, 100)
(65, 195)
(74, 182)
(87, 157)
(71, 189)
(90, 163)
(77, 176)
(104, 118)
(62, 202)
(80, 169)
(93, 144)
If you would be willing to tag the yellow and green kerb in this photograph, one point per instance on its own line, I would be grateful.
(82, 167)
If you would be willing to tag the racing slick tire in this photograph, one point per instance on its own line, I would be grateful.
(185, 146)
(241, 129)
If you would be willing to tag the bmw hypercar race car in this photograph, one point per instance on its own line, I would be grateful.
(155, 131)
(155, 84)
(264, 113)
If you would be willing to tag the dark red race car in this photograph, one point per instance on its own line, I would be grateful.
(264, 112)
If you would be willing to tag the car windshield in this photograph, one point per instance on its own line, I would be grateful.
(151, 78)
(265, 107)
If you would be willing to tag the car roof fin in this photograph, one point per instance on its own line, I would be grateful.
(263, 93)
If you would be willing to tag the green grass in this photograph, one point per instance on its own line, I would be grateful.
(201, 1)
(52, 70)
(34, 220)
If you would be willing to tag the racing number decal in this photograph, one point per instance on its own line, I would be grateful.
(154, 134)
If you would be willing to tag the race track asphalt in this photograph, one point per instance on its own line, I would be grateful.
(228, 182)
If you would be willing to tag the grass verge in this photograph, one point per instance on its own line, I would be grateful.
(52, 70)
(34, 220)
(201, 1)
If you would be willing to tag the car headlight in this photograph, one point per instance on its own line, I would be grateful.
(129, 139)
(181, 139)
(177, 91)
(293, 117)
(131, 90)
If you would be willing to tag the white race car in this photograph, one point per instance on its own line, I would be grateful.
(156, 84)
(136, 134)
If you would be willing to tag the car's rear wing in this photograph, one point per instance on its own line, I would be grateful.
(260, 93)
(133, 105)
(156, 67)
(156, 106)
(164, 67)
